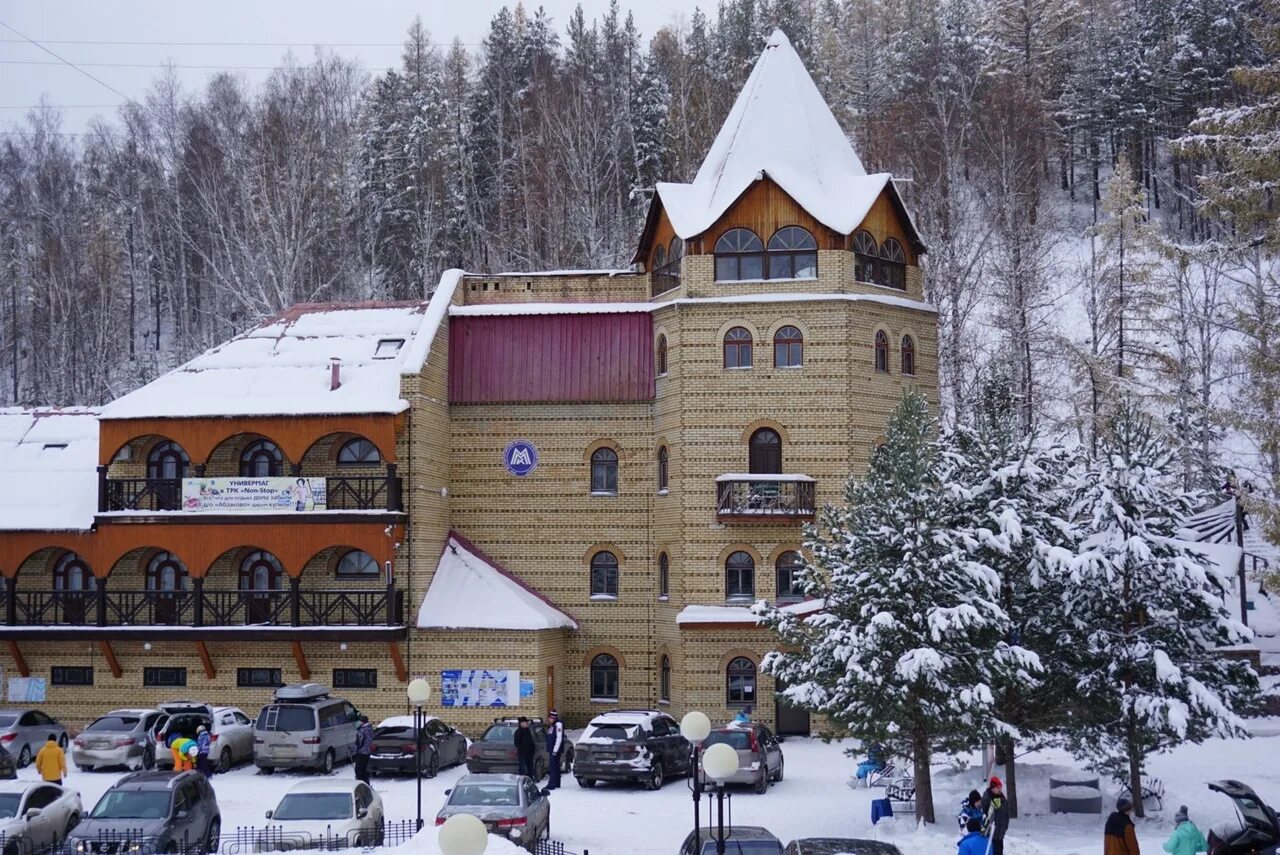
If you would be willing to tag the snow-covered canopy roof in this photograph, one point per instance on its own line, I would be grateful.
(48, 460)
(779, 127)
(695, 615)
(469, 591)
(282, 367)
(1212, 525)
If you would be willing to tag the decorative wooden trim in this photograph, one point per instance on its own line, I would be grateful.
(304, 670)
(110, 655)
(18, 659)
(206, 660)
(402, 673)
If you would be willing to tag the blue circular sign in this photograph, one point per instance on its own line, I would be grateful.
(520, 458)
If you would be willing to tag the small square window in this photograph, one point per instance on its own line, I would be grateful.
(355, 678)
(164, 676)
(255, 678)
(68, 675)
(387, 348)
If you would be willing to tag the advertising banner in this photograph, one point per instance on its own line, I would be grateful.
(481, 687)
(220, 495)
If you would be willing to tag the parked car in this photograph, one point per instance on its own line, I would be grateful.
(840, 846)
(510, 806)
(8, 767)
(330, 813)
(760, 759)
(37, 814)
(394, 751)
(230, 733)
(1255, 831)
(304, 727)
(744, 840)
(119, 738)
(631, 745)
(24, 731)
(153, 812)
(496, 749)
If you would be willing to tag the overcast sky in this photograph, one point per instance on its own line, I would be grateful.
(184, 32)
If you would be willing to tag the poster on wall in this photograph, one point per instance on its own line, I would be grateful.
(479, 687)
(222, 495)
(526, 689)
(27, 690)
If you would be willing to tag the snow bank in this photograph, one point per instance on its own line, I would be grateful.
(48, 460)
(470, 592)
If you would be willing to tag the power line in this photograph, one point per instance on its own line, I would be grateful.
(97, 80)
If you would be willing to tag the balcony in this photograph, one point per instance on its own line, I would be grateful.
(764, 498)
(376, 612)
(341, 493)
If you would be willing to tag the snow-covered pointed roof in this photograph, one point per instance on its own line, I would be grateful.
(470, 591)
(48, 466)
(779, 127)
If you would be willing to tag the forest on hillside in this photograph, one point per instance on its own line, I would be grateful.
(1095, 180)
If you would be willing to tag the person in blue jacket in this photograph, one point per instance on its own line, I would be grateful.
(971, 809)
(974, 842)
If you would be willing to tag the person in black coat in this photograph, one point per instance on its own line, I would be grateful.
(995, 807)
(524, 747)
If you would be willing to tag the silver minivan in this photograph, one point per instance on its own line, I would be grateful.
(304, 727)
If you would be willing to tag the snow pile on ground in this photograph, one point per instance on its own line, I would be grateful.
(48, 460)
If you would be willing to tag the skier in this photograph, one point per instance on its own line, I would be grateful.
(970, 808)
(524, 747)
(1119, 836)
(555, 747)
(995, 812)
(1186, 838)
(203, 743)
(974, 842)
(364, 748)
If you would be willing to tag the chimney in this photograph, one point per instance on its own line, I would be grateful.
(335, 373)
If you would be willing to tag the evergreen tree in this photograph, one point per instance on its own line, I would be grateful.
(1144, 614)
(912, 629)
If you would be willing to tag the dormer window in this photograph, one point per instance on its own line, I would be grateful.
(387, 348)
(739, 256)
(793, 254)
(866, 253)
(893, 265)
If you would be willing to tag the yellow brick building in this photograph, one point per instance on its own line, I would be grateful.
(556, 489)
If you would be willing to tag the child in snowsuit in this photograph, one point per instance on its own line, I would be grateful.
(974, 841)
(204, 742)
(181, 747)
(1186, 839)
(971, 808)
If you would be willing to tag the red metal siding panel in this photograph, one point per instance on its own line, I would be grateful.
(563, 358)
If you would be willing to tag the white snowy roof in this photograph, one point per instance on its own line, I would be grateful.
(496, 309)
(469, 592)
(779, 127)
(739, 614)
(48, 467)
(282, 366)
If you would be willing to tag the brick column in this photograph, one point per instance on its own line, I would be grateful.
(102, 489)
(393, 493)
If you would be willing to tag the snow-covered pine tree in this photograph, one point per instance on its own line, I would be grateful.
(1012, 488)
(1144, 614)
(902, 652)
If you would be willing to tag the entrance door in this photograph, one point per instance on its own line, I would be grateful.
(73, 583)
(765, 453)
(260, 575)
(792, 720)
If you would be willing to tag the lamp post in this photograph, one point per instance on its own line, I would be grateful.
(463, 834)
(720, 761)
(419, 692)
(695, 727)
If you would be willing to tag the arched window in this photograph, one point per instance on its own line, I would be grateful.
(604, 575)
(358, 564)
(664, 679)
(739, 577)
(261, 459)
(664, 576)
(604, 678)
(788, 348)
(71, 573)
(740, 682)
(663, 468)
(167, 461)
(908, 355)
(260, 571)
(893, 265)
(739, 255)
(659, 257)
(661, 356)
(882, 352)
(866, 256)
(359, 452)
(166, 572)
(604, 471)
(789, 566)
(737, 348)
(674, 254)
(793, 254)
(764, 455)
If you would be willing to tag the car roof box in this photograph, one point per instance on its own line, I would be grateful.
(302, 692)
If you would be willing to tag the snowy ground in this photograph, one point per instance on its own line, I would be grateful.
(813, 800)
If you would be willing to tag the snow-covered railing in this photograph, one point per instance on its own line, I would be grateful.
(762, 497)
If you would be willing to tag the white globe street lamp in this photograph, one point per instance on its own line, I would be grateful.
(695, 727)
(419, 692)
(463, 834)
(719, 763)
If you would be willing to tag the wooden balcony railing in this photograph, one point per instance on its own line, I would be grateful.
(294, 607)
(760, 498)
(344, 493)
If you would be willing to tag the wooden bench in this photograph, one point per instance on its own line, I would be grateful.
(1152, 791)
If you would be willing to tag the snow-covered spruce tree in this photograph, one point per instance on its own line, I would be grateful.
(912, 627)
(1013, 489)
(1144, 614)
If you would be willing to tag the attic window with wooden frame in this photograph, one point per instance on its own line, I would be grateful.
(793, 254)
(893, 265)
(739, 256)
(666, 267)
(866, 254)
(388, 348)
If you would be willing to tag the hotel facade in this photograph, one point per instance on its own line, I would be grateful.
(536, 490)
